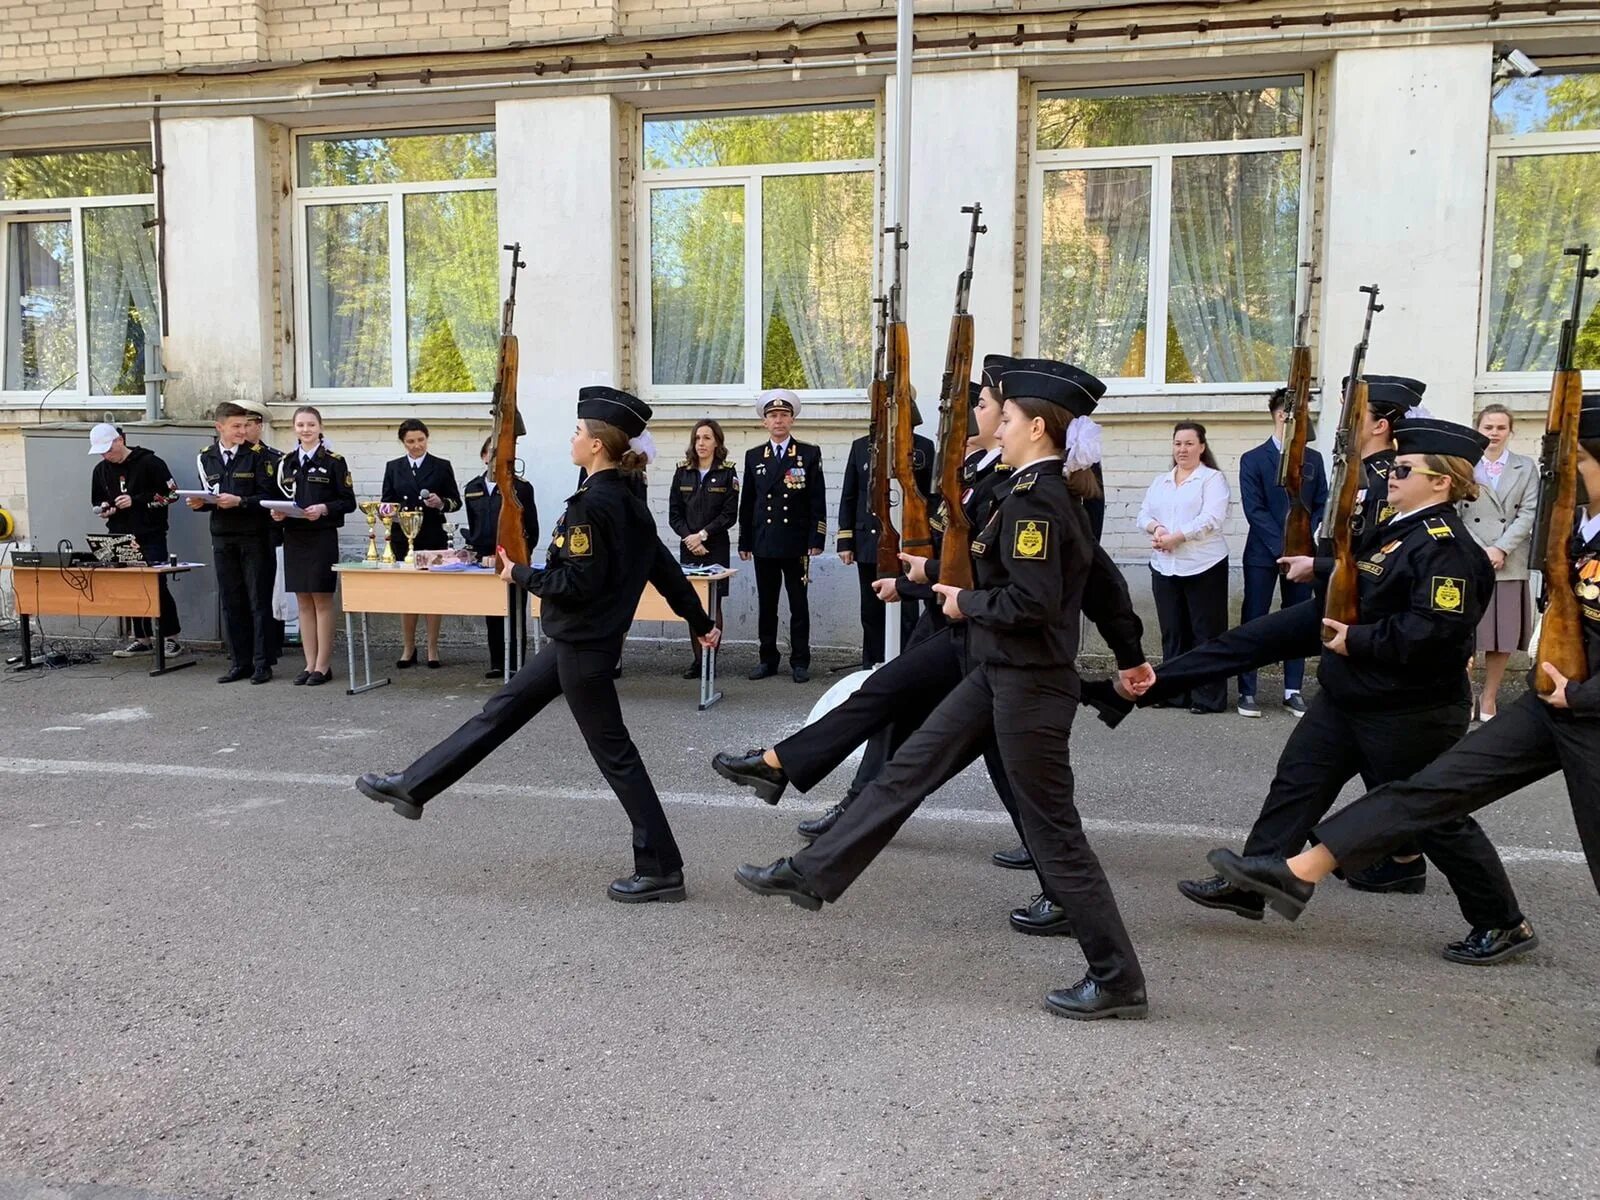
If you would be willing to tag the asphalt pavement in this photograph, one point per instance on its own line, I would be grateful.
(223, 973)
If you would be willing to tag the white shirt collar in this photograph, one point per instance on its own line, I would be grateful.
(1590, 527)
(779, 449)
(988, 457)
(1034, 462)
(416, 462)
(1401, 516)
(1278, 442)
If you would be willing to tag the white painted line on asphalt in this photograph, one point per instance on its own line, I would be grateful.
(1217, 834)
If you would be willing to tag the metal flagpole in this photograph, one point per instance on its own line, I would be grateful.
(900, 206)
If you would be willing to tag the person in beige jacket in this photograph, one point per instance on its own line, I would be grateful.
(1501, 519)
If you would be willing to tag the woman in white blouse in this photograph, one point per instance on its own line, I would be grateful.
(1183, 512)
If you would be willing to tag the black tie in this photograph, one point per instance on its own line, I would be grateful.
(227, 458)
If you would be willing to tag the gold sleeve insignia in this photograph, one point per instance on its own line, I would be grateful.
(578, 544)
(1033, 541)
(1447, 595)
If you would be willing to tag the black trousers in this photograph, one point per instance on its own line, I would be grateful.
(874, 615)
(1332, 745)
(1528, 741)
(789, 573)
(246, 566)
(154, 548)
(1028, 712)
(583, 675)
(1193, 609)
(1294, 632)
(1259, 584)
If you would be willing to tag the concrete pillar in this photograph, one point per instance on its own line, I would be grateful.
(1408, 136)
(219, 216)
(558, 196)
(963, 148)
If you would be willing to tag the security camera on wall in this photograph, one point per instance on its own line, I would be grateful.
(1520, 65)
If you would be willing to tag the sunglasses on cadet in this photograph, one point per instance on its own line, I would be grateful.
(1406, 471)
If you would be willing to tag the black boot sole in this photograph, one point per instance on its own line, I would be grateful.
(1062, 929)
(810, 903)
(665, 895)
(1491, 960)
(1249, 914)
(1286, 906)
(408, 810)
(768, 791)
(1403, 887)
(1124, 1012)
(999, 859)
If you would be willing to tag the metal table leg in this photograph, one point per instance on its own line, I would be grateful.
(708, 660)
(27, 663)
(366, 659)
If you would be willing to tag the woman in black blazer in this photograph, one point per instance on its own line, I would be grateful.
(702, 507)
(318, 481)
(418, 480)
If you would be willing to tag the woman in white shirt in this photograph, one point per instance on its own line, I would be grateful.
(1182, 513)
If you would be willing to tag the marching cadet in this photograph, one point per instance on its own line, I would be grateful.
(702, 507)
(857, 542)
(241, 474)
(783, 521)
(603, 551)
(318, 481)
(1031, 560)
(1394, 690)
(482, 502)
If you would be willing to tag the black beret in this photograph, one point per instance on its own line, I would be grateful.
(994, 366)
(615, 407)
(1073, 388)
(1390, 396)
(974, 396)
(1427, 435)
(1589, 417)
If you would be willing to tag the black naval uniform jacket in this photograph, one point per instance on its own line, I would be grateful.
(145, 480)
(783, 505)
(858, 528)
(252, 476)
(403, 486)
(711, 504)
(483, 514)
(324, 478)
(1423, 584)
(604, 549)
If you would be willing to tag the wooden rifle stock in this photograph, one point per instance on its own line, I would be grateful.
(955, 401)
(916, 535)
(882, 468)
(1561, 622)
(1341, 603)
(1297, 526)
(510, 532)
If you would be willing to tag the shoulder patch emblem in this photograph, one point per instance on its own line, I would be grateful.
(578, 539)
(1032, 540)
(1447, 596)
(1439, 529)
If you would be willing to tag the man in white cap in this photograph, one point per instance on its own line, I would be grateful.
(132, 489)
(783, 521)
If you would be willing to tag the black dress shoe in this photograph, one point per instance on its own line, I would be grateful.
(1268, 876)
(1042, 917)
(262, 675)
(1086, 1000)
(641, 889)
(300, 679)
(764, 671)
(390, 790)
(1017, 859)
(747, 770)
(318, 678)
(1485, 947)
(1217, 892)
(234, 674)
(814, 828)
(434, 664)
(801, 674)
(692, 671)
(1407, 878)
(406, 663)
(1101, 695)
(780, 879)
(495, 673)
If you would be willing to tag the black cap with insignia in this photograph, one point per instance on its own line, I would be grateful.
(1390, 396)
(1073, 388)
(1427, 435)
(994, 366)
(1589, 417)
(615, 407)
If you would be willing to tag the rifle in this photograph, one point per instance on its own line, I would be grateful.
(1345, 480)
(1296, 432)
(955, 551)
(508, 427)
(882, 467)
(916, 533)
(1560, 636)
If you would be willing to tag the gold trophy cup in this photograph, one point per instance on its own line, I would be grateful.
(389, 514)
(369, 509)
(410, 522)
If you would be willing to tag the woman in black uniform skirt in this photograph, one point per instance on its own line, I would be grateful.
(318, 481)
(702, 507)
(421, 481)
(603, 551)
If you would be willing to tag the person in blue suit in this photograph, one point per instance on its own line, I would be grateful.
(1266, 506)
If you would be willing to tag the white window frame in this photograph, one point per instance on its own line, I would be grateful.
(752, 179)
(392, 194)
(1501, 147)
(1158, 157)
(77, 393)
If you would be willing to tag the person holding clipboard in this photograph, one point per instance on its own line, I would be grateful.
(318, 481)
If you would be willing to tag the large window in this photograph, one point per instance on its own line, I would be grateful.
(78, 270)
(1164, 231)
(758, 229)
(399, 266)
(1545, 186)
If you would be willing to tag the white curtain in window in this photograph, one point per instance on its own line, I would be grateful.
(697, 285)
(120, 275)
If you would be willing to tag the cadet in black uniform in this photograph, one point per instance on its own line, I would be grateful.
(482, 503)
(256, 418)
(132, 489)
(423, 482)
(318, 481)
(783, 521)
(857, 542)
(702, 507)
(1394, 690)
(603, 551)
(1030, 560)
(241, 475)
